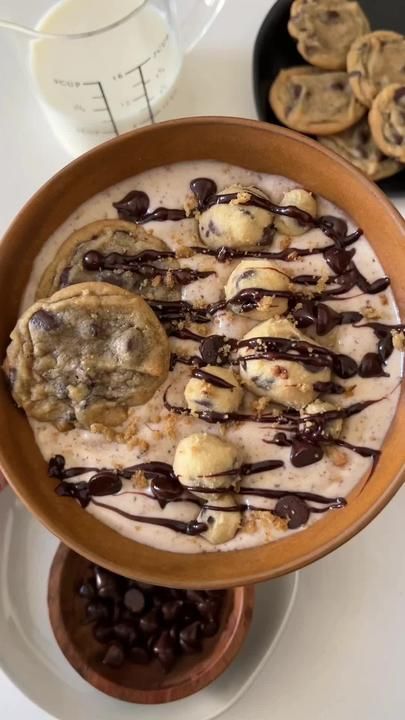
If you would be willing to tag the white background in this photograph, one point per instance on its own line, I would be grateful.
(343, 654)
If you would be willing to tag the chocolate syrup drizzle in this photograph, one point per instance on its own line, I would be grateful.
(141, 264)
(166, 488)
(309, 432)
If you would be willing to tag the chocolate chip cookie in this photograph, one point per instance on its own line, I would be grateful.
(326, 29)
(375, 61)
(117, 252)
(387, 121)
(314, 101)
(356, 145)
(85, 356)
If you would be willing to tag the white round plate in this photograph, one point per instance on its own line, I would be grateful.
(31, 658)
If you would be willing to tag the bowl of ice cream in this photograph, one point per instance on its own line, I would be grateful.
(202, 384)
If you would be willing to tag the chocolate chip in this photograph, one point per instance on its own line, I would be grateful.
(196, 595)
(105, 482)
(210, 347)
(209, 628)
(305, 452)
(126, 632)
(64, 277)
(293, 509)
(11, 377)
(399, 95)
(330, 16)
(134, 600)
(268, 235)
(86, 590)
(138, 655)
(396, 137)
(207, 608)
(103, 633)
(296, 91)
(44, 320)
(190, 638)
(106, 584)
(150, 623)
(114, 656)
(93, 261)
(338, 85)
(96, 611)
(171, 610)
(133, 206)
(165, 650)
(213, 228)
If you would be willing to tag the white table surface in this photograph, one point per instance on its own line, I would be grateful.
(343, 653)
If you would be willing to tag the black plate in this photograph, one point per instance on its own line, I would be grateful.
(275, 50)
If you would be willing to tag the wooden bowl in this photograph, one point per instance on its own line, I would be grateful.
(258, 146)
(139, 683)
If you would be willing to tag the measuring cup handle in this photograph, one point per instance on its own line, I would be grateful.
(194, 22)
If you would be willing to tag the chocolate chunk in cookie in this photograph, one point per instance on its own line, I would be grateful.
(325, 30)
(86, 355)
(375, 61)
(117, 252)
(387, 121)
(356, 144)
(314, 101)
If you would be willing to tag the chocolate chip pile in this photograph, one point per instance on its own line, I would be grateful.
(139, 623)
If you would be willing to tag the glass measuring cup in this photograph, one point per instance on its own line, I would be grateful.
(100, 71)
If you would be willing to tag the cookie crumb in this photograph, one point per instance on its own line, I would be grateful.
(383, 299)
(398, 340)
(285, 242)
(370, 312)
(336, 456)
(241, 198)
(139, 481)
(190, 204)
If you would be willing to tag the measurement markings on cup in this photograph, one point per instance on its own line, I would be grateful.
(143, 83)
(106, 107)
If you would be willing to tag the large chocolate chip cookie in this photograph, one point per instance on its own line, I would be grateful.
(86, 355)
(117, 252)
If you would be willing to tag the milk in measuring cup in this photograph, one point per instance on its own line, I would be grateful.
(97, 87)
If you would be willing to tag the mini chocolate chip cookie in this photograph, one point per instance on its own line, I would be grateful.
(326, 29)
(117, 252)
(375, 61)
(314, 101)
(86, 355)
(387, 121)
(356, 145)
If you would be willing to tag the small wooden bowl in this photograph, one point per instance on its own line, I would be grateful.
(256, 146)
(147, 684)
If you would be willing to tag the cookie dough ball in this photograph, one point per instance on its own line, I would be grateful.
(85, 355)
(223, 524)
(332, 428)
(215, 389)
(301, 199)
(206, 461)
(236, 224)
(260, 274)
(282, 381)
